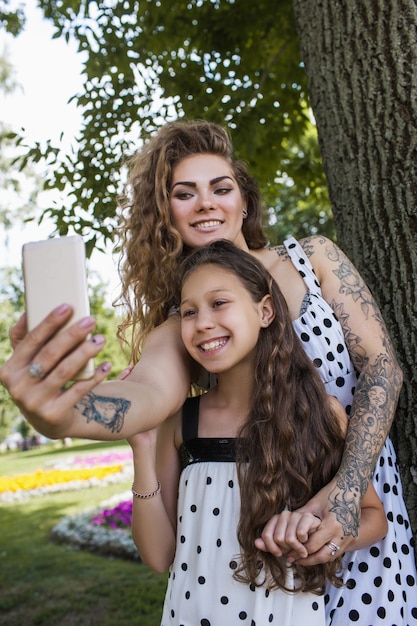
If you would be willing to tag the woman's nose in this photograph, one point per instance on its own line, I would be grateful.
(206, 202)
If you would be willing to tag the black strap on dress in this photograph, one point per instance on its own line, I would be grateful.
(195, 449)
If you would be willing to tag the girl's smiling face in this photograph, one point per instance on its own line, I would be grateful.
(220, 322)
(206, 201)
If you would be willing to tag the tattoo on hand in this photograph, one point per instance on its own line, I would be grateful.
(109, 412)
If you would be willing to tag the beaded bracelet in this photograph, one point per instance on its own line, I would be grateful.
(145, 496)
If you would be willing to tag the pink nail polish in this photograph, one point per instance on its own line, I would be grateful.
(98, 339)
(62, 308)
(86, 322)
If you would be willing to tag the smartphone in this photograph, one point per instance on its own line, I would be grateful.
(54, 272)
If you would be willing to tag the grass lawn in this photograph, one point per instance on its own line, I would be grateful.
(50, 585)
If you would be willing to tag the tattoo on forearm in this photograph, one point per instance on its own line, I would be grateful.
(109, 412)
(374, 401)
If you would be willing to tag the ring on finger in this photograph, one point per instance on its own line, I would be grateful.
(334, 549)
(36, 371)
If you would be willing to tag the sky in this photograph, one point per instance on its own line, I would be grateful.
(49, 73)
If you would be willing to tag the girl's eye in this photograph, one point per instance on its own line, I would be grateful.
(218, 303)
(187, 313)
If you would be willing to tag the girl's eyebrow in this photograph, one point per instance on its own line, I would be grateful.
(212, 292)
(213, 181)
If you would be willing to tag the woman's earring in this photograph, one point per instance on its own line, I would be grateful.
(244, 213)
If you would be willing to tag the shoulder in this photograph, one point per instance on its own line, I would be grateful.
(321, 252)
(317, 245)
(324, 255)
(272, 257)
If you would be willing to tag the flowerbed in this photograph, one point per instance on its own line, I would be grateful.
(104, 530)
(74, 473)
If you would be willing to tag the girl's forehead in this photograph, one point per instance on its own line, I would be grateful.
(210, 276)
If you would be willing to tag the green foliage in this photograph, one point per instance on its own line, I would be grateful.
(107, 322)
(8, 411)
(11, 19)
(18, 189)
(235, 62)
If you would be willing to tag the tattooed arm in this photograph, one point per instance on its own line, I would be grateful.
(375, 398)
(156, 387)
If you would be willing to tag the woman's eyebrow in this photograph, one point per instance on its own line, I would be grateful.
(189, 183)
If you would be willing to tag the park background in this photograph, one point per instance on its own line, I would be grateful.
(320, 99)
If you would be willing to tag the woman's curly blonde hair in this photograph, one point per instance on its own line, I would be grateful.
(152, 248)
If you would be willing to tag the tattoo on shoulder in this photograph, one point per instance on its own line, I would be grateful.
(107, 411)
(308, 244)
(280, 250)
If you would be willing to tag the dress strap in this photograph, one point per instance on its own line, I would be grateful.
(302, 263)
(190, 411)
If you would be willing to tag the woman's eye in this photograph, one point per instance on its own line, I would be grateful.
(222, 191)
(183, 195)
(218, 303)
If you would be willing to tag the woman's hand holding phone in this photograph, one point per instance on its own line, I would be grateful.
(44, 399)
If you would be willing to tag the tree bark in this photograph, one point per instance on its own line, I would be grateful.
(361, 64)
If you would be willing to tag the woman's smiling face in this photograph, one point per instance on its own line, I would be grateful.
(206, 201)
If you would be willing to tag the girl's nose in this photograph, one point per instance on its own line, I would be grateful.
(204, 321)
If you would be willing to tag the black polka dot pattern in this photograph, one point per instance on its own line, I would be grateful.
(380, 582)
(201, 588)
(201, 585)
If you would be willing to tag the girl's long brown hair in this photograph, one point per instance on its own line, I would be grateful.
(152, 249)
(291, 443)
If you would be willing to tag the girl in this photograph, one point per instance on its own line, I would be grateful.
(261, 442)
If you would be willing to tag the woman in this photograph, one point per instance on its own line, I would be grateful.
(186, 189)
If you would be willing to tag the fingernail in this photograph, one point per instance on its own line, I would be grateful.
(62, 308)
(86, 322)
(98, 339)
(105, 367)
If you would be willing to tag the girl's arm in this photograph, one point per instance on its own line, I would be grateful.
(376, 394)
(154, 518)
(156, 388)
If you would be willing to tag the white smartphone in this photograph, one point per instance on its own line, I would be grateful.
(54, 272)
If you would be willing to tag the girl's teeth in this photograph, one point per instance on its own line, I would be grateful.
(213, 345)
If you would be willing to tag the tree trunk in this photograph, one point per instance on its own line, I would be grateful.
(361, 64)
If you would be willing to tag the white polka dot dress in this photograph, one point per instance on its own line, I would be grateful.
(381, 581)
(201, 589)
